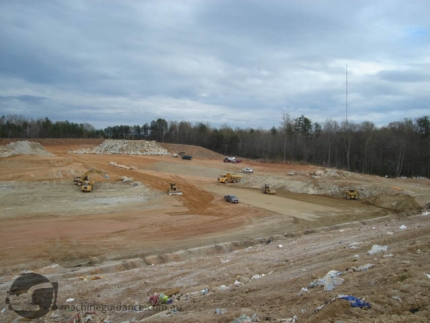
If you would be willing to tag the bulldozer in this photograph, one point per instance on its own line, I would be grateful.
(79, 180)
(229, 178)
(351, 195)
(173, 190)
(267, 190)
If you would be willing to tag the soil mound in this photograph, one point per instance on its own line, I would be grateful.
(23, 148)
(124, 147)
(195, 151)
(397, 202)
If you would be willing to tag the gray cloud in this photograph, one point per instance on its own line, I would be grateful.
(243, 63)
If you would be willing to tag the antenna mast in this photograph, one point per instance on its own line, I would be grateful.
(346, 95)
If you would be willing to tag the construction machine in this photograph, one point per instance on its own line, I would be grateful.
(351, 195)
(267, 190)
(87, 186)
(229, 178)
(173, 190)
(79, 180)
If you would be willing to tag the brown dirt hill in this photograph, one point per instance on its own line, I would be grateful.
(195, 151)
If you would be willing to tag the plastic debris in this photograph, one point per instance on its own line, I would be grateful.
(403, 227)
(303, 290)
(256, 277)
(237, 283)
(389, 255)
(397, 298)
(354, 245)
(280, 246)
(153, 300)
(331, 280)
(365, 267)
(246, 319)
(316, 282)
(70, 300)
(220, 310)
(293, 319)
(223, 287)
(242, 319)
(354, 301)
(204, 291)
(428, 275)
(377, 248)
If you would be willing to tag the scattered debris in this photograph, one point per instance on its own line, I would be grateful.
(331, 280)
(354, 301)
(376, 249)
(220, 310)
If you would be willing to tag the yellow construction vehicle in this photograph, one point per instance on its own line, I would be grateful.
(267, 190)
(229, 178)
(87, 186)
(351, 195)
(173, 190)
(79, 180)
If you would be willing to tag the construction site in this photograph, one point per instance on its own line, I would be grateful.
(132, 233)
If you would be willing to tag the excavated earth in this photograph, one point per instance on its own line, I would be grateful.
(267, 258)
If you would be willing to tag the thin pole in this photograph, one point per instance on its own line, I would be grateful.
(346, 95)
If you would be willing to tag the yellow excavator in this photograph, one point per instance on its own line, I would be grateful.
(85, 183)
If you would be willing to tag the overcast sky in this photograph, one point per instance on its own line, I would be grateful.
(240, 63)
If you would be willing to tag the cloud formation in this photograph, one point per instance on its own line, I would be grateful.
(241, 63)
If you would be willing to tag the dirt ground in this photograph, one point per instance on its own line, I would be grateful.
(129, 239)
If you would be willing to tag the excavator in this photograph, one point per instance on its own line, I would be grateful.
(78, 180)
(87, 184)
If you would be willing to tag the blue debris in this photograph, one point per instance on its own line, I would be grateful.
(354, 301)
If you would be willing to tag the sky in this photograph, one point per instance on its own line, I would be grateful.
(242, 64)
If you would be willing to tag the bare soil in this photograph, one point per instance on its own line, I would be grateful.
(127, 240)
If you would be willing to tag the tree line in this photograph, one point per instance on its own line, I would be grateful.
(399, 149)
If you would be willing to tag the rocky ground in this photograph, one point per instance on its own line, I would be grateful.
(292, 257)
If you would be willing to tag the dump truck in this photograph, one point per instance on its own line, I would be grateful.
(229, 178)
(267, 190)
(351, 195)
(173, 190)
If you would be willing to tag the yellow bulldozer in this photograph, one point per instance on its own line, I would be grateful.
(267, 190)
(229, 178)
(351, 195)
(173, 190)
(85, 183)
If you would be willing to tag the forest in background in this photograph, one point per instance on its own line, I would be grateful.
(401, 148)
